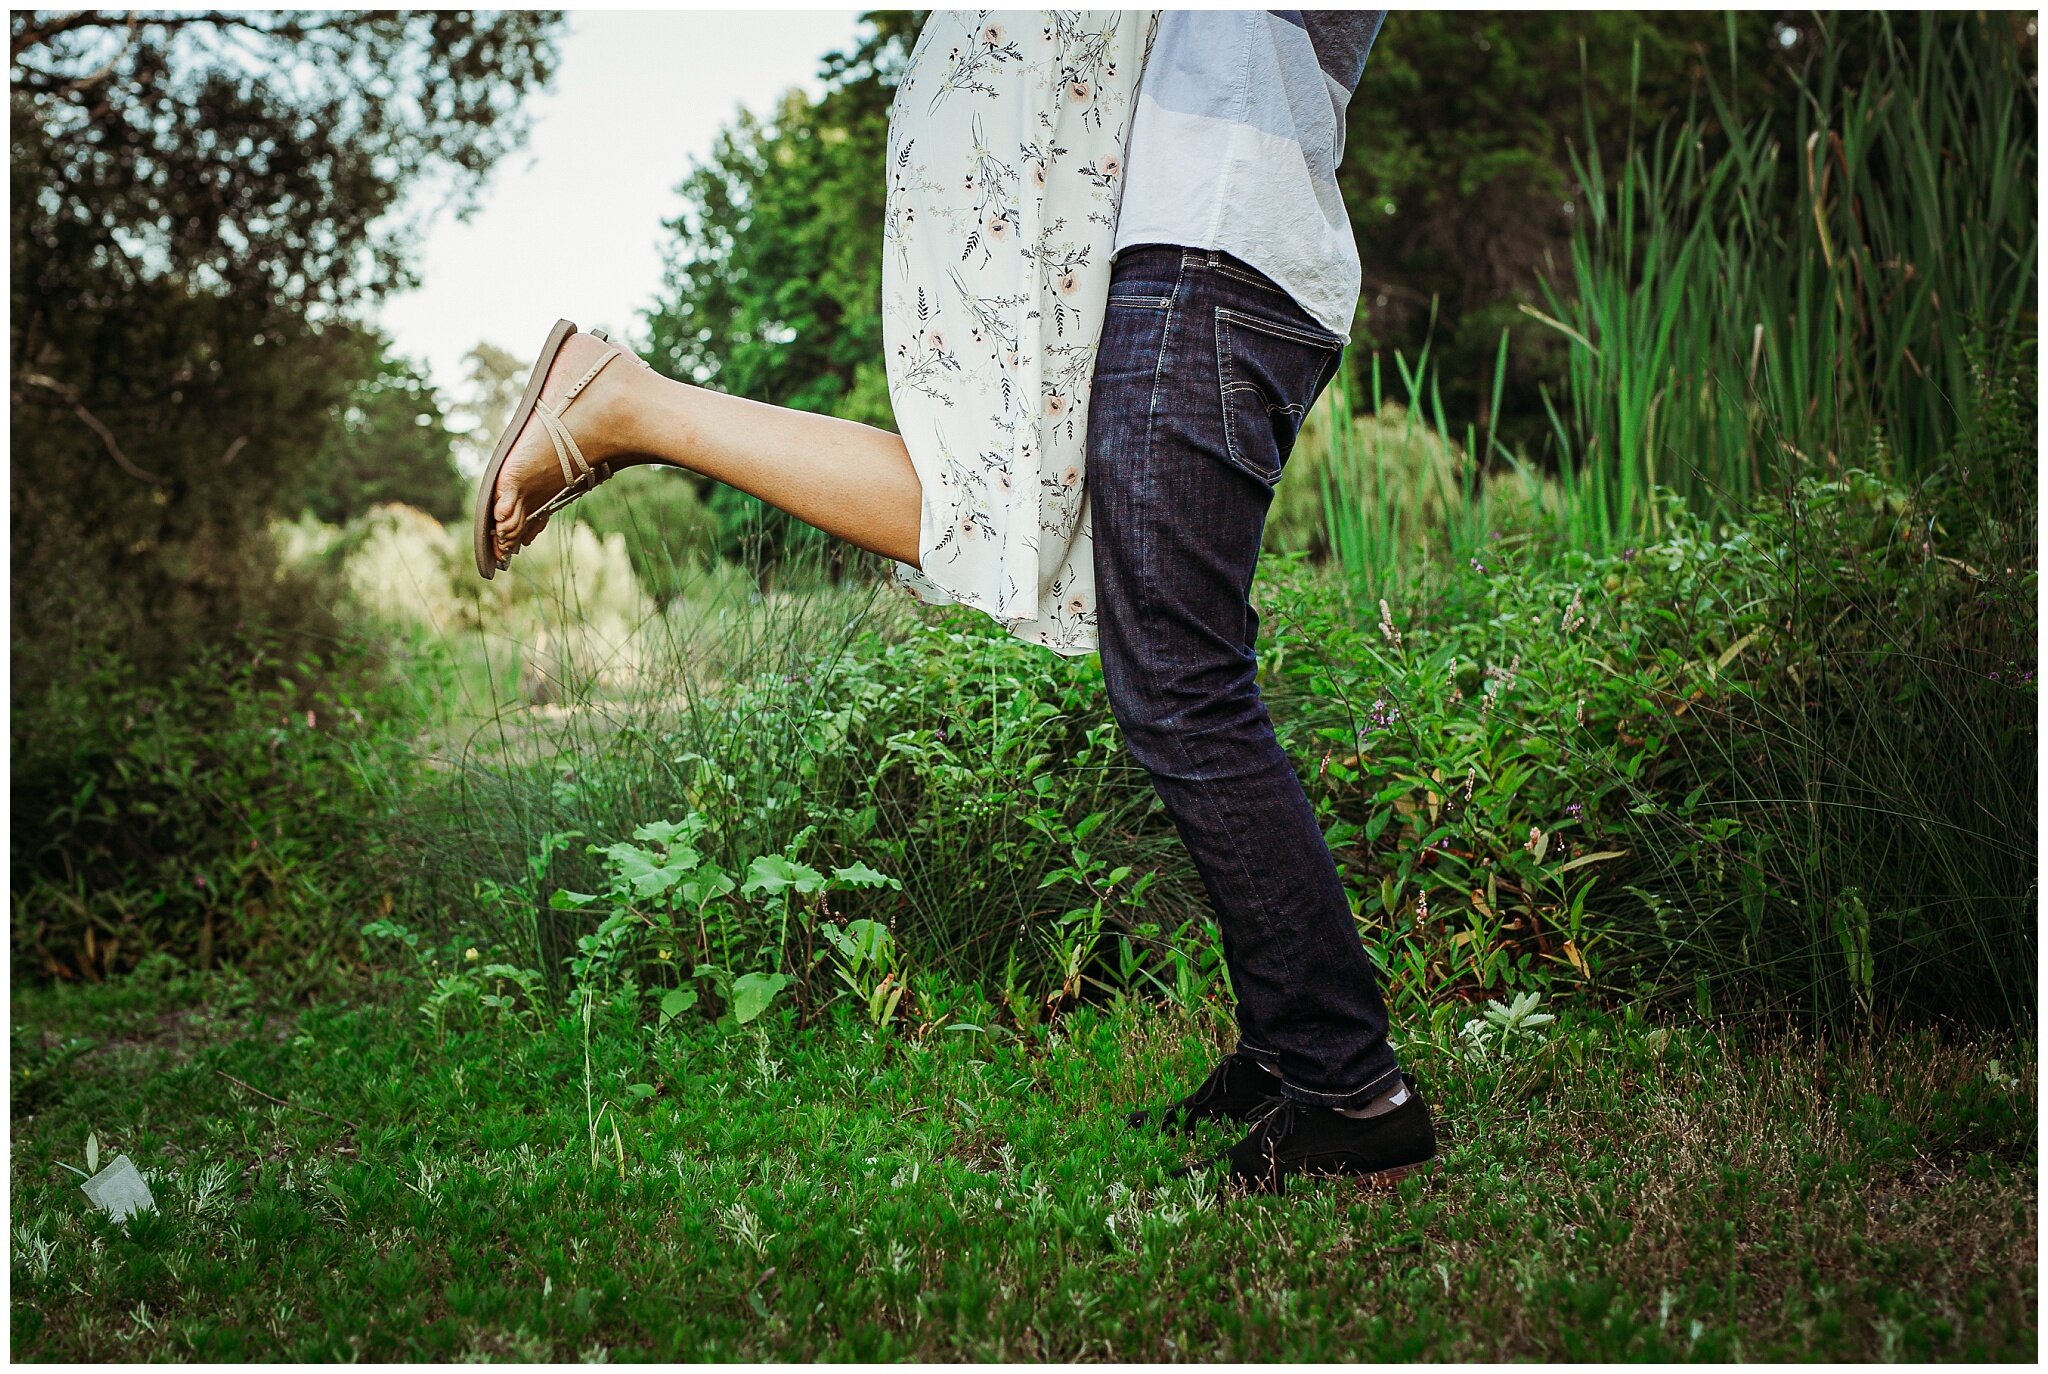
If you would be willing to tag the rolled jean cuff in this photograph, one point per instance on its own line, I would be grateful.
(1357, 1097)
(1259, 1053)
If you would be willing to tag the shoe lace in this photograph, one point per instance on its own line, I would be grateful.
(1270, 1127)
(1212, 1088)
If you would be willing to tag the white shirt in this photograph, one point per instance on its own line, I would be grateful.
(1235, 145)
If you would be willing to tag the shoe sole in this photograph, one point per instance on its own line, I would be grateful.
(1386, 1179)
(487, 563)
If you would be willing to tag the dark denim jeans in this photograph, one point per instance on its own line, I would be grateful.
(1205, 371)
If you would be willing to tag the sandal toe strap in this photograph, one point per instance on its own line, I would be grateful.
(577, 489)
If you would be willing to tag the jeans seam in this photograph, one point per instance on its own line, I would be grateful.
(1264, 284)
(1256, 1051)
(1159, 363)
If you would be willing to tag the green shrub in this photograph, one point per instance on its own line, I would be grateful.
(829, 726)
(1375, 485)
(1475, 752)
(1806, 750)
(1714, 769)
(1856, 841)
(237, 813)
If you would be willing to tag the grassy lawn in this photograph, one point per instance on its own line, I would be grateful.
(1609, 1194)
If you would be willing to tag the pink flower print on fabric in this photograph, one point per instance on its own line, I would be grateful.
(993, 297)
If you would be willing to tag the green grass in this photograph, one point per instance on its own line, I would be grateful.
(1613, 1193)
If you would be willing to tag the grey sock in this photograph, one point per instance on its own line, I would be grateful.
(1379, 1106)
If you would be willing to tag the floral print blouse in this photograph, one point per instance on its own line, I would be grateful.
(1006, 145)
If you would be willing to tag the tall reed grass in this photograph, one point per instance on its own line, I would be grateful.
(1748, 303)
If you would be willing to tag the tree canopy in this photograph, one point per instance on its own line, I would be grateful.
(206, 207)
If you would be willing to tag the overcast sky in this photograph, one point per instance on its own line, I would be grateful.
(570, 226)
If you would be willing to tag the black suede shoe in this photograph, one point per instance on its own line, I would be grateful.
(1236, 1088)
(1290, 1137)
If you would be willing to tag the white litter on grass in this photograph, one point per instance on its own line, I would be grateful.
(119, 1190)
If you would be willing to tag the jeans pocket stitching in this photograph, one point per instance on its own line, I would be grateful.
(1279, 329)
(1227, 383)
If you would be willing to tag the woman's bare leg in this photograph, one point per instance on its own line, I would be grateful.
(850, 480)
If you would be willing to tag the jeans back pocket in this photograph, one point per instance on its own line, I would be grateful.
(1270, 373)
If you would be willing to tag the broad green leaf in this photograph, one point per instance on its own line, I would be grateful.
(772, 873)
(840, 940)
(705, 884)
(860, 875)
(752, 992)
(676, 1001)
(657, 832)
(649, 878)
(872, 938)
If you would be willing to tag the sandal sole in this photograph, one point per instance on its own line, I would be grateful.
(487, 563)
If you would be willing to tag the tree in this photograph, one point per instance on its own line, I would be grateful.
(388, 441)
(204, 205)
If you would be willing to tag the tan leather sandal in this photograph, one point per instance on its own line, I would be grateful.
(581, 475)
